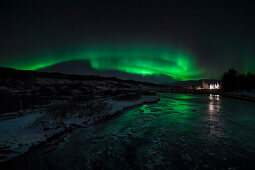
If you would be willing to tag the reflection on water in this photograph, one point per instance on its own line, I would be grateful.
(179, 132)
(214, 108)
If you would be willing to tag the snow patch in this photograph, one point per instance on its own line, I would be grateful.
(20, 133)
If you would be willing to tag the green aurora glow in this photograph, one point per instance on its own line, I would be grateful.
(141, 60)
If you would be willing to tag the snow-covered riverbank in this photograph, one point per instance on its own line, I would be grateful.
(18, 134)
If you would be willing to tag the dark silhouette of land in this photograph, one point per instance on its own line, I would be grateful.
(232, 80)
(34, 88)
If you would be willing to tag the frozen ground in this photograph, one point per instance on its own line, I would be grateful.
(18, 133)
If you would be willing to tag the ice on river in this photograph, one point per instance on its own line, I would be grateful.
(178, 132)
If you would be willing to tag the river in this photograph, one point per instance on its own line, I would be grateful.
(179, 132)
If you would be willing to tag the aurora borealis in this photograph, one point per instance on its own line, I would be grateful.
(182, 40)
(143, 60)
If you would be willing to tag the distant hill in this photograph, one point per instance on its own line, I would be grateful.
(7, 73)
(83, 67)
(36, 88)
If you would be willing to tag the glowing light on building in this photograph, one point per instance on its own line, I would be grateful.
(214, 86)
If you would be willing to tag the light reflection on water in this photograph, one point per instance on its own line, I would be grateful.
(179, 128)
(215, 123)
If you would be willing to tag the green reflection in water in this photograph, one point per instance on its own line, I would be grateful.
(178, 111)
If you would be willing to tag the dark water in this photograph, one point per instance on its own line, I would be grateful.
(179, 132)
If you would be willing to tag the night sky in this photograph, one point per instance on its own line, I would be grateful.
(155, 40)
